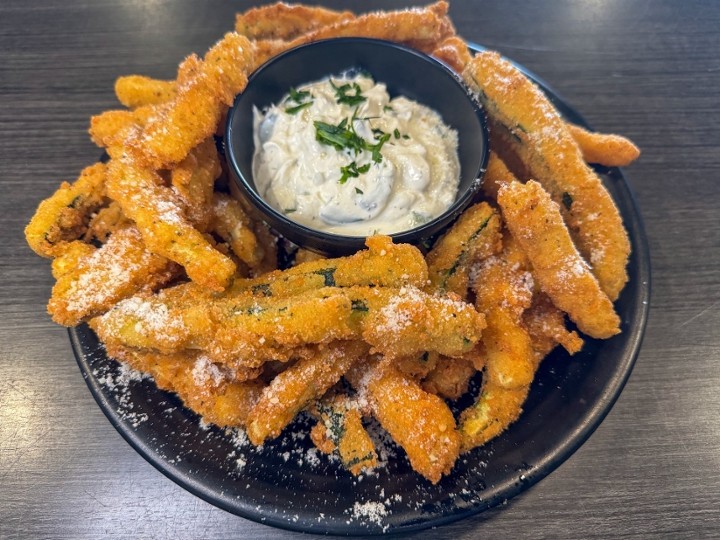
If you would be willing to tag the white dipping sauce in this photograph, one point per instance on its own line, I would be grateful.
(413, 179)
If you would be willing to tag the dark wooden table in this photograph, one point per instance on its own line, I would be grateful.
(649, 69)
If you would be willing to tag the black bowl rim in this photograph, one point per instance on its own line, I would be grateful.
(559, 453)
(414, 235)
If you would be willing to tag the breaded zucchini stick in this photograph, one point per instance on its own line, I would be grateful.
(286, 21)
(300, 385)
(90, 285)
(232, 224)
(418, 421)
(535, 222)
(475, 235)
(542, 139)
(246, 331)
(135, 91)
(194, 179)
(166, 231)
(340, 430)
(64, 216)
(604, 148)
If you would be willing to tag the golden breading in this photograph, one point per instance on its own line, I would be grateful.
(300, 385)
(285, 21)
(103, 222)
(503, 291)
(454, 52)
(475, 235)
(450, 378)
(192, 116)
(421, 423)
(535, 222)
(246, 331)
(194, 179)
(420, 28)
(90, 285)
(541, 138)
(231, 223)
(110, 128)
(546, 325)
(206, 388)
(63, 217)
(157, 211)
(135, 91)
(340, 430)
(604, 148)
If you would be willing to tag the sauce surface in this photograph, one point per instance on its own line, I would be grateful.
(340, 156)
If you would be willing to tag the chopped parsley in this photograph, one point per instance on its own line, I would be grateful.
(343, 94)
(300, 99)
(352, 171)
(359, 191)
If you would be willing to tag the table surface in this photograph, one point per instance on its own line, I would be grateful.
(649, 69)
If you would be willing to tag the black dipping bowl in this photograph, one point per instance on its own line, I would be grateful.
(406, 72)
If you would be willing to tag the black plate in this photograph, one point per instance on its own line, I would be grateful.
(286, 484)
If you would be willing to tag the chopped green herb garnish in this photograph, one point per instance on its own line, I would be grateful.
(343, 95)
(388, 108)
(301, 99)
(290, 210)
(396, 133)
(359, 191)
(405, 136)
(296, 108)
(352, 171)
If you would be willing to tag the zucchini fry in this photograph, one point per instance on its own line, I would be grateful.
(298, 386)
(604, 148)
(475, 235)
(340, 430)
(286, 21)
(421, 423)
(64, 216)
(542, 139)
(135, 91)
(90, 285)
(535, 221)
(231, 223)
(157, 211)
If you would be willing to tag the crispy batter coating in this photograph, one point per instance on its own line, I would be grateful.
(418, 421)
(246, 331)
(110, 128)
(63, 217)
(232, 224)
(535, 221)
(103, 222)
(208, 389)
(286, 21)
(503, 291)
(454, 52)
(450, 378)
(421, 28)
(90, 285)
(542, 139)
(194, 178)
(192, 116)
(604, 148)
(546, 325)
(340, 430)
(135, 91)
(157, 211)
(475, 235)
(299, 385)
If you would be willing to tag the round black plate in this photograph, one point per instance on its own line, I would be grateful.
(287, 484)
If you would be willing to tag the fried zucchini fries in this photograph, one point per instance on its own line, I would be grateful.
(180, 281)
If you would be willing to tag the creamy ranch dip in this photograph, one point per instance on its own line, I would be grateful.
(340, 156)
